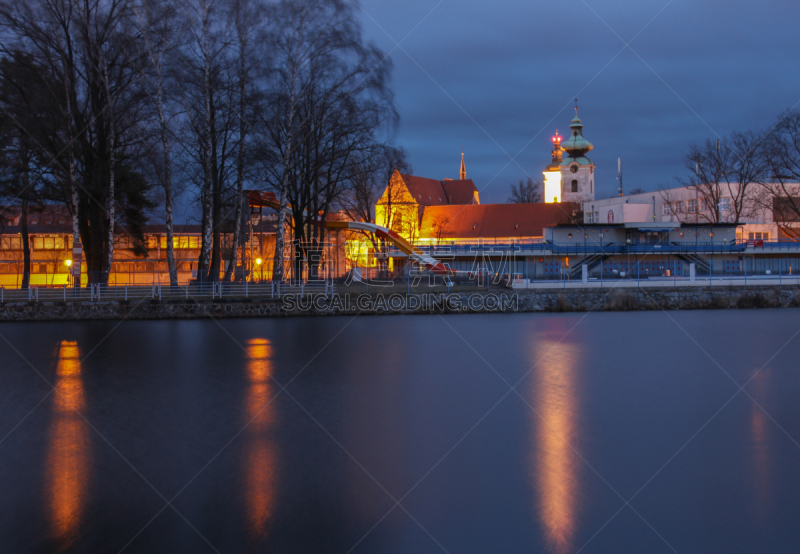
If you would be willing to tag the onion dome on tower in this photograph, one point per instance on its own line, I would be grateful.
(576, 146)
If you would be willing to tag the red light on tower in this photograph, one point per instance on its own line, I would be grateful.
(557, 139)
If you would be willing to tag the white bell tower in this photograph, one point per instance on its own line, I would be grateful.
(577, 171)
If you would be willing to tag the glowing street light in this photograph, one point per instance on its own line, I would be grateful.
(68, 263)
(258, 261)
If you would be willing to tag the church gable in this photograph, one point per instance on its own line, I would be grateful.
(396, 192)
(403, 203)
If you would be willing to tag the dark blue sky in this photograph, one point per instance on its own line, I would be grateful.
(497, 79)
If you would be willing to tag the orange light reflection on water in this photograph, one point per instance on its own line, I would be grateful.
(69, 455)
(759, 426)
(260, 456)
(556, 465)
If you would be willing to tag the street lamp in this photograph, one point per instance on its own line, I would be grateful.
(261, 274)
(628, 251)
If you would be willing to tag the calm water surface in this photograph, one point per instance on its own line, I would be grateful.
(403, 434)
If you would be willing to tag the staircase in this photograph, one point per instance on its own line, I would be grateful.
(702, 265)
(591, 262)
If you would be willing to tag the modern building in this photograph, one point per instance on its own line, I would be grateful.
(755, 211)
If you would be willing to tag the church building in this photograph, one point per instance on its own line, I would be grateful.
(425, 210)
(570, 175)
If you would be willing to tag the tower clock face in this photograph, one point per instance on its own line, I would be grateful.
(573, 168)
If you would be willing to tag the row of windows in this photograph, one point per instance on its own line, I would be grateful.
(16, 268)
(706, 204)
(153, 242)
(139, 267)
(123, 242)
(60, 243)
(36, 243)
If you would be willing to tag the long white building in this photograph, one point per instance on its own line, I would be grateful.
(703, 204)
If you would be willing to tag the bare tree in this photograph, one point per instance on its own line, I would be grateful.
(87, 51)
(245, 15)
(22, 126)
(780, 191)
(371, 173)
(331, 100)
(528, 192)
(724, 174)
(156, 21)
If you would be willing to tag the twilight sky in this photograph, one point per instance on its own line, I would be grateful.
(497, 78)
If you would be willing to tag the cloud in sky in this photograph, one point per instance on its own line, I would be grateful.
(497, 79)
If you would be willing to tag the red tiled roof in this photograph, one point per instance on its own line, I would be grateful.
(460, 192)
(430, 192)
(494, 220)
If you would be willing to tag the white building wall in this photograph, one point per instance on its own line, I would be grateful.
(687, 206)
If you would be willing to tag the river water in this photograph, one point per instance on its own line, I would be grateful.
(600, 432)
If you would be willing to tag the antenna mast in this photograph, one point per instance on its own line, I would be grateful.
(619, 177)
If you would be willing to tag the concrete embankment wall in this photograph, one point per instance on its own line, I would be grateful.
(486, 302)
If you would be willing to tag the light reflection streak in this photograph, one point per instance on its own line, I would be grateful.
(69, 454)
(555, 464)
(260, 456)
(759, 427)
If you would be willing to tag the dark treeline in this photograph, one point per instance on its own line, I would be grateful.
(117, 107)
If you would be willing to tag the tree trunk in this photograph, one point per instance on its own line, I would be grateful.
(237, 225)
(111, 201)
(168, 220)
(173, 270)
(283, 205)
(157, 62)
(75, 269)
(26, 243)
(205, 250)
(216, 218)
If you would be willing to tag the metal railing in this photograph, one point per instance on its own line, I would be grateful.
(773, 244)
(213, 291)
(591, 247)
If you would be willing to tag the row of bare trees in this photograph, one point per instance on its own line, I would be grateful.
(745, 175)
(125, 110)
